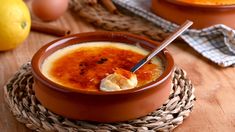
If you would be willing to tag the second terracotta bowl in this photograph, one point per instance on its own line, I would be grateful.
(202, 15)
(101, 106)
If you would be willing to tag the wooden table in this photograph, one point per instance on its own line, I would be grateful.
(214, 109)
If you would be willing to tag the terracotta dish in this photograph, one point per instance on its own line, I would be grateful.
(98, 105)
(209, 2)
(202, 15)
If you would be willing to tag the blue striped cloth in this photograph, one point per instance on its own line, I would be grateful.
(216, 43)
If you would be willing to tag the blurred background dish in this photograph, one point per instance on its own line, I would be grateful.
(208, 2)
(203, 16)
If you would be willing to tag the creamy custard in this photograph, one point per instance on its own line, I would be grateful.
(121, 79)
(210, 2)
(83, 66)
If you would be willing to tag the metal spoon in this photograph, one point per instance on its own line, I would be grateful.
(165, 43)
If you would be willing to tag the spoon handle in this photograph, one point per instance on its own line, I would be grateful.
(166, 42)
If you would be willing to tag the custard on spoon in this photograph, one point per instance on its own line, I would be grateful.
(121, 79)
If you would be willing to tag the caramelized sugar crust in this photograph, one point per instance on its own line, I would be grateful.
(84, 68)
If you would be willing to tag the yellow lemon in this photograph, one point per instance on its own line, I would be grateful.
(15, 23)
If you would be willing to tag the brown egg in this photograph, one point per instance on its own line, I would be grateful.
(48, 10)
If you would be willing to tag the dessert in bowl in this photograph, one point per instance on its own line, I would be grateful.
(203, 13)
(68, 73)
(82, 66)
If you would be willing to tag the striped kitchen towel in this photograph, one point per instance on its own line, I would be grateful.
(217, 43)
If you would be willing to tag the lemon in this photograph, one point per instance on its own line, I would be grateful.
(15, 23)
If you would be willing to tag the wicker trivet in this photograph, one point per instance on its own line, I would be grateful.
(21, 100)
(125, 21)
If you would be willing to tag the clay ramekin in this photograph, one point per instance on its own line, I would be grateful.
(101, 106)
(202, 15)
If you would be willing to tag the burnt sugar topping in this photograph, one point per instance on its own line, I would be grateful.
(83, 66)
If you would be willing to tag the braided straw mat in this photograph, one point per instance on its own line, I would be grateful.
(123, 21)
(21, 100)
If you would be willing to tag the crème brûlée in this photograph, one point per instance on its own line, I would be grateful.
(209, 2)
(83, 66)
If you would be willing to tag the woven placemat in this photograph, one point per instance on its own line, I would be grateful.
(123, 21)
(21, 100)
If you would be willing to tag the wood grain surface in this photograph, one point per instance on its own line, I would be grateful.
(214, 109)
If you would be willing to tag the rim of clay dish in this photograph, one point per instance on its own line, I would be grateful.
(37, 60)
(181, 3)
